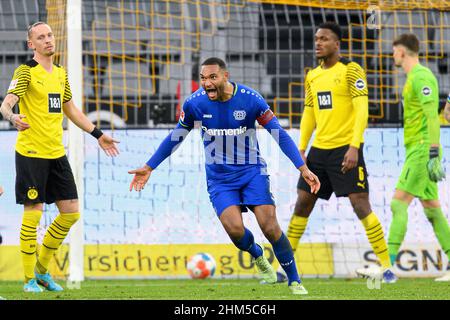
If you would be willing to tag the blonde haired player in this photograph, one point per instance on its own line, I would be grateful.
(43, 173)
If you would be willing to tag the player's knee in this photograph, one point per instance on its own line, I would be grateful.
(361, 210)
(361, 206)
(235, 232)
(70, 218)
(303, 208)
(270, 231)
(433, 213)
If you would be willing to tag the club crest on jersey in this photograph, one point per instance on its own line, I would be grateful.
(426, 91)
(360, 84)
(239, 114)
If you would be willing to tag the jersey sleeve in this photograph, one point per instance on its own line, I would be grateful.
(423, 86)
(423, 89)
(263, 112)
(186, 115)
(309, 100)
(308, 122)
(356, 80)
(20, 81)
(67, 91)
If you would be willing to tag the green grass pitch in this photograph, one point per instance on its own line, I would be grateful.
(235, 289)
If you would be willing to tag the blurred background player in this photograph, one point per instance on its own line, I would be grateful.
(43, 173)
(237, 176)
(422, 168)
(336, 106)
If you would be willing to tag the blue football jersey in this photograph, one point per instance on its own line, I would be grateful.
(228, 129)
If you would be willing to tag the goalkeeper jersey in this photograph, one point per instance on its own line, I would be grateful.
(420, 102)
(41, 95)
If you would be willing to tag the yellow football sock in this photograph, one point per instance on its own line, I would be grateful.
(375, 234)
(296, 228)
(28, 241)
(55, 235)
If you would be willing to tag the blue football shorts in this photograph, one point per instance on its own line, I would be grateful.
(248, 190)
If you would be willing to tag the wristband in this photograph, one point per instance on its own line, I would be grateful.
(434, 152)
(96, 133)
(448, 98)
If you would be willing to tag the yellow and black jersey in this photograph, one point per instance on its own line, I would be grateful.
(336, 106)
(42, 95)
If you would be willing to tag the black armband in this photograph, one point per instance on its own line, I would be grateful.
(434, 152)
(97, 133)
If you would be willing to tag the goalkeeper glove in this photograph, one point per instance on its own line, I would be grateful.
(434, 166)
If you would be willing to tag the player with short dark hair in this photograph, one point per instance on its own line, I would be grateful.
(43, 173)
(236, 173)
(336, 107)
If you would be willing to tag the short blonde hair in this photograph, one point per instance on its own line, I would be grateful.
(31, 26)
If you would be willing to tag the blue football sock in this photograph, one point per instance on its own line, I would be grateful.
(283, 251)
(247, 243)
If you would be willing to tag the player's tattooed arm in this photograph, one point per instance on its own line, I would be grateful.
(6, 110)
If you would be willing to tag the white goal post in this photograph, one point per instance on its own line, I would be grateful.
(75, 134)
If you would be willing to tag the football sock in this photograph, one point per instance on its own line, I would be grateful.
(398, 227)
(375, 234)
(28, 241)
(440, 227)
(283, 252)
(247, 243)
(296, 228)
(53, 238)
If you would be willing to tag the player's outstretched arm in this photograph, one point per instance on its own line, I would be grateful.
(140, 178)
(165, 149)
(311, 179)
(107, 143)
(6, 109)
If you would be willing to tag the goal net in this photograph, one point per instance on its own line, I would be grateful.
(140, 60)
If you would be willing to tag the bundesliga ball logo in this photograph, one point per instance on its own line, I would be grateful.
(201, 266)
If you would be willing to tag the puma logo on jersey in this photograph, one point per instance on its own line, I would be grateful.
(40, 82)
(361, 185)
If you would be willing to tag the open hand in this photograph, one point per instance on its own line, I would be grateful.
(140, 178)
(108, 145)
(310, 178)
